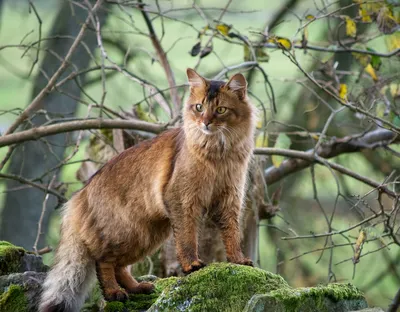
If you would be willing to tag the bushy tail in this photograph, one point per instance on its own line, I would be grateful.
(71, 276)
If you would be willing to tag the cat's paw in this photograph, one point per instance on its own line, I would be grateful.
(145, 288)
(194, 266)
(115, 295)
(243, 261)
(141, 288)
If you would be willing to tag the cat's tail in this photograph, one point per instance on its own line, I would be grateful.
(72, 274)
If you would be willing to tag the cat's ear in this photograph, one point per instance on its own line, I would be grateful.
(195, 80)
(238, 85)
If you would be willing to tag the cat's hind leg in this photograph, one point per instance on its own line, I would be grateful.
(106, 275)
(126, 280)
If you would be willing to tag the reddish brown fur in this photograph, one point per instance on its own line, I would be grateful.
(166, 185)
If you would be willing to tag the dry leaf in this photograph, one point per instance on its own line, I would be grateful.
(387, 24)
(371, 71)
(343, 91)
(195, 49)
(281, 42)
(362, 237)
(224, 28)
(351, 28)
(393, 41)
(310, 17)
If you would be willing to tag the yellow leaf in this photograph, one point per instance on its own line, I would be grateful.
(262, 140)
(224, 29)
(365, 17)
(393, 41)
(371, 71)
(386, 21)
(281, 42)
(343, 91)
(351, 28)
(359, 244)
(395, 90)
(364, 59)
(310, 17)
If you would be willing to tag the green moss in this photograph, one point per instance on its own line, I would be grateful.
(114, 306)
(13, 299)
(229, 287)
(218, 287)
(141, 302)
(332, 297)
(10, 257)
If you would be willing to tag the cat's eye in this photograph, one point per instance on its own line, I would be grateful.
(221, 110)
(199, 107)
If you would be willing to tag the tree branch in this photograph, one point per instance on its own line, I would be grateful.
(35, 104)
(164, 62)
(39, 132)
(349, 144)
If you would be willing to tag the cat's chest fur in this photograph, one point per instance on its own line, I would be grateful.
(204, 182)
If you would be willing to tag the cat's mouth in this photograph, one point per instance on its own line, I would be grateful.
(208, 130)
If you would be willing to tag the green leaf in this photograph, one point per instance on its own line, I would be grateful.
(283, 141)
(376, 61)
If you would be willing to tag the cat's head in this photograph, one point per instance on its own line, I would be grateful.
(218, 108)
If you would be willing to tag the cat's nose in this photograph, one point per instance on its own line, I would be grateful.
(206, 122)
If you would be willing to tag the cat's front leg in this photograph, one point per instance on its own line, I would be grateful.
(185, 223)
(227, 218)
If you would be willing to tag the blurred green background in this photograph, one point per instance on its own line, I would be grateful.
(377, 274)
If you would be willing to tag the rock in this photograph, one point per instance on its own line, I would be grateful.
(19, 289)
(15, 259)
(228, 287)
(370, 310)
(218, 287)
(329, 298)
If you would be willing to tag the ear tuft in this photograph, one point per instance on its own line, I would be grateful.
(238, 85)
(195, 80)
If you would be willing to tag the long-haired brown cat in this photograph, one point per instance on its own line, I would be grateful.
(161, 186)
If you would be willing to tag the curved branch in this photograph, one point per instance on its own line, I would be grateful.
(349, 144)
(39, 132)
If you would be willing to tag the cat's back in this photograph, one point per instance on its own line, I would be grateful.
(142, 162)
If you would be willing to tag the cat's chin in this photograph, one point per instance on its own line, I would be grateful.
(207, 132)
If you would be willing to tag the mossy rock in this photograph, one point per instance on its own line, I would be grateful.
(138, 303)
(218, 287)
(28, 284)
(15, 259)
(228, 287)
(13, 299)
(10, 258)
(329, 298)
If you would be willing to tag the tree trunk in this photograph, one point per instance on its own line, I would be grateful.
(22, 210)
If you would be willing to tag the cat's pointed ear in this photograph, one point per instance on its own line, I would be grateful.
(195, 80)
(238, 85)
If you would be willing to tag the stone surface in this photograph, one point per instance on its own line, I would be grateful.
(218, 287)
(30, 283)
(15, 259)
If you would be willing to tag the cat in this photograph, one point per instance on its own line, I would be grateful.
(165, 185)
